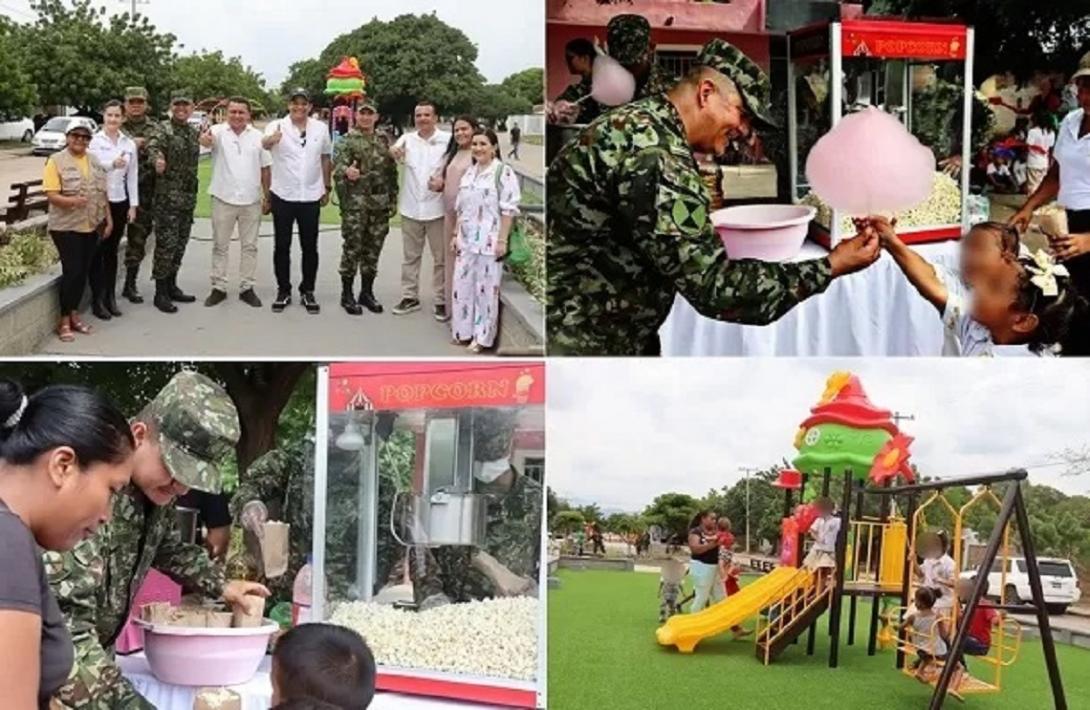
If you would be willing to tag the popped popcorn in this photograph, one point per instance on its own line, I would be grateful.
(493, 638)
(943, 206)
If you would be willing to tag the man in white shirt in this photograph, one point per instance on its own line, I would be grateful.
(421, 207)
(302, 174)
(239, 190)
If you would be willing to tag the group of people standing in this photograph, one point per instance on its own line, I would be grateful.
(139, 175)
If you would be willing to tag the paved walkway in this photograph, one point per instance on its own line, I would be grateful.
(531, 157)
(234, 329)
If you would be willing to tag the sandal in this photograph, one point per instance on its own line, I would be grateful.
(475, 348)
(64, 333)
(81, 327)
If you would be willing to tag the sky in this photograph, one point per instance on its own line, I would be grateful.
(271, 34)
(621, 432)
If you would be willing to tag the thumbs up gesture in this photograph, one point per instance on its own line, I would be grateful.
(353, 172)
(206, 138)
(121, 162)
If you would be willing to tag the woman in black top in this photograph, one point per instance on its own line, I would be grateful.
(704, 568)
(64, 452)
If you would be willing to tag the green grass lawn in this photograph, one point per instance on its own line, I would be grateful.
(534, 140)
(331, 213)
(603, 654)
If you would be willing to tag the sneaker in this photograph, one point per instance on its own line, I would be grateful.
(307, 299)
(283, 300)
(407, 305)
(250, 298)
(215, 298)
(440, 313)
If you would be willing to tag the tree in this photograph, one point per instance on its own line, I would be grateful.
(211, 75)
(309, 74)
(624, 524)
(553, 503)
(1020, 36)
(262, 393)
(493, 103)
(591, 513)
(528, 84)
(566, 522)
(18, 94)
(409, 58)
(672, 512)
(79, 56)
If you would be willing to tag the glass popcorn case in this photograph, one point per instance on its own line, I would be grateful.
(919, 72)
(429, 499)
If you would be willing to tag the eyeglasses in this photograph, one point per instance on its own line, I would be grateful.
(303, 139)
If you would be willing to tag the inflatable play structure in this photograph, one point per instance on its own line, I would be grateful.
(854, 452)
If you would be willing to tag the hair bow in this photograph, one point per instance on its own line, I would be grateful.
(1044, 270)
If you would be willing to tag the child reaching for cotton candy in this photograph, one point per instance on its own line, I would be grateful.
(1003, 296)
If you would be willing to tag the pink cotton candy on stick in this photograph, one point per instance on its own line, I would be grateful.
(870, 164)
(611, 84)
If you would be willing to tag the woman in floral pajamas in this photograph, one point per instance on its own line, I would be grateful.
(488, 199)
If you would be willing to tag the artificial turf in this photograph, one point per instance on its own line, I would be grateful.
(603, 654)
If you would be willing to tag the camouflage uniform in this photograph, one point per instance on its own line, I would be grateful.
(175, 192)
(96, 582)
(669, 596)
(512, 535)
(139, 230)
(628, 38)
(629, 229)
(367, 203)
(283, 479)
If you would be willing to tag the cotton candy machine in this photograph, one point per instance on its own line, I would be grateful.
(764, 232)
(196, 656)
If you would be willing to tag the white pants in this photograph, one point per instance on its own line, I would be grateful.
(476, 298)
(414, 234)
(707, 584)
(224, 218)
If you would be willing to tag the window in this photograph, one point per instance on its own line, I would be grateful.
(535, 469)
(675, 63)
(1053, 569)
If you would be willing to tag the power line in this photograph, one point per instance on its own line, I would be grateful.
(19, 11)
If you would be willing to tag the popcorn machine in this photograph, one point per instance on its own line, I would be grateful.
(919, 72)
(417, 467)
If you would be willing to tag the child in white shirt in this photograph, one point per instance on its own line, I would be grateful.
(823, 531)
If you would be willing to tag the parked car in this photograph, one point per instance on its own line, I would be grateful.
(51, 137)
(14, 128)
(199, 120)
(1058, 582)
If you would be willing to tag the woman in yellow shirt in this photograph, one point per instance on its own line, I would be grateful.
(79, 215)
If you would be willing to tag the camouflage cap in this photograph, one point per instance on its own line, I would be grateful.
(751, 81)
(1084, 67)
(198, 426)
(366, 104)
(181, 96)
(493, 431)
(628, 38)
(136, 92)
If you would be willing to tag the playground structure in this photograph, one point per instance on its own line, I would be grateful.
(844, 435)
(346, 86)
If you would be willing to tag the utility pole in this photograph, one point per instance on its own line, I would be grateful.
(898, 418)
(134, 3)
(746, 470)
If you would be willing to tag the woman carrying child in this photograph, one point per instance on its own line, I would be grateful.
(704, 568)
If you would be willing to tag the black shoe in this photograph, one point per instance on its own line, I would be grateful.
(348, 299)
(440, 313)
(215, 298)
(407, 305)
(129, 291)
(110, 301)
(176, 294)
(250, 298)
(163, 300)
(306, 298)
(99, 308)
(283, 300)
(367, 295)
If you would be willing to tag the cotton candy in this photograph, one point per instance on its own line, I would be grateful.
(611, 84)
(870, 164)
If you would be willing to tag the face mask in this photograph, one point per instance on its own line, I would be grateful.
(489, 471)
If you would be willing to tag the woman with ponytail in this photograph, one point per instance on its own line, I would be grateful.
(64, 451)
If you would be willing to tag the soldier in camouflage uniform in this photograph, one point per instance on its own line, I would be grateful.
(181, 436)
(141, 129)
(366, 179)
(512, 536)
(628, 40)
(174, 150)
(629, 225)
(280, 486)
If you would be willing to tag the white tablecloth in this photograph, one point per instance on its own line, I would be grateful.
(873, 312)
(257, 694)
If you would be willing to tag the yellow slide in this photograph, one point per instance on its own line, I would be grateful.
(687, 630)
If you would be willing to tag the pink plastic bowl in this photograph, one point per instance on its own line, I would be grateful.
(765, 232)
(182, 655)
